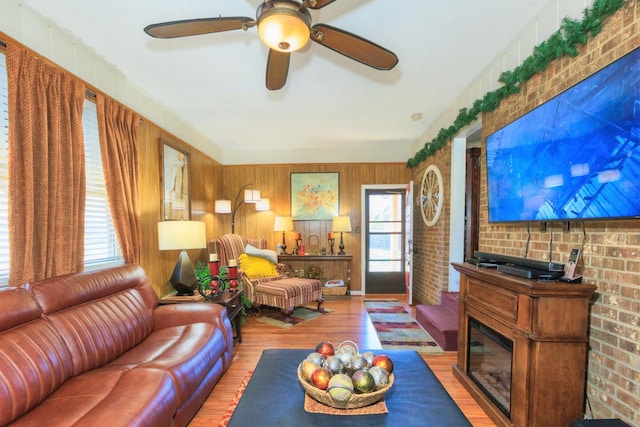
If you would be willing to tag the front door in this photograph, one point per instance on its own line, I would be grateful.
(384, 241)
(408, 242)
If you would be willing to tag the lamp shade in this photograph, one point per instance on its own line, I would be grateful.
(251, 196)
(341, 224)
(181, 235)
(263, 205)
(283, 223)
(284, 29)
(223, 206)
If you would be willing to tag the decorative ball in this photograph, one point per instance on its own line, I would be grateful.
(307, 367)
(334, 364)
(316, 358)
(340, 388)
(380, 377)
(363, 382)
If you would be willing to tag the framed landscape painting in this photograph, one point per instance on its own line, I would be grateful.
(315, 196)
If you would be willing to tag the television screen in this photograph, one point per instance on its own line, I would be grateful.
(575, 157)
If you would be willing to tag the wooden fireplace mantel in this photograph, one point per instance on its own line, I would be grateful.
(548, 324)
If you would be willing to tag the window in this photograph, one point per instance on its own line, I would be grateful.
(101, 248)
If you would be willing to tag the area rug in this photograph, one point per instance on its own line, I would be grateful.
(397, 329)
(232, 406)
(274, 317)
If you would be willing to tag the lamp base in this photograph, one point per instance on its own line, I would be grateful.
(184, 279)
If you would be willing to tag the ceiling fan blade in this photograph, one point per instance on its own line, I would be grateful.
(277, 69)
(193, 27)
(318, 4)
(354, 47)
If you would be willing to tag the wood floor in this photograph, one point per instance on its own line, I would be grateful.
(348, 321)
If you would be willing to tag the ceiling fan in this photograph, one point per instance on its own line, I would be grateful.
(285, 27)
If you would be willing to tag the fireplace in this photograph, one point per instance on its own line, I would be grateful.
(489, 362)
(522, 346)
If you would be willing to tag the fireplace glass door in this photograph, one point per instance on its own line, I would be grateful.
(489, 363)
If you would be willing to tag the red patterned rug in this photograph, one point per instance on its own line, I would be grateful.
(232, 406)
(397, 329)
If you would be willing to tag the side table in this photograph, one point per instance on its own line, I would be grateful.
(232, 300)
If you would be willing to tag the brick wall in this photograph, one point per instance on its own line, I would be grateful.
(431, 260)
(612, 248)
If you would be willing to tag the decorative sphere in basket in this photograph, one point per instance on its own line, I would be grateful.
(343, 378)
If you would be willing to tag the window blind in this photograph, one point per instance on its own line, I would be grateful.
(100, 242)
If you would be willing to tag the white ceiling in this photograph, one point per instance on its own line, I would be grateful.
(215, 82)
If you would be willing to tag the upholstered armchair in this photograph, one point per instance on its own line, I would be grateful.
(264, 280)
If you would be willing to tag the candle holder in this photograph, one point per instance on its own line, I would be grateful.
(233, 278)
(331, 243)
(214, 269)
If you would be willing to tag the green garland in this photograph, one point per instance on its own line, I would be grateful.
(564, 42)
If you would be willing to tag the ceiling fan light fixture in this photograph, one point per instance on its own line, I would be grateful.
(283, 28)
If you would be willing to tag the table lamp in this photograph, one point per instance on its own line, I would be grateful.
(341, 224)
(284, 224)
(182, 235)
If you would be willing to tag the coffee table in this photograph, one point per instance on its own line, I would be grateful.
(274, 397)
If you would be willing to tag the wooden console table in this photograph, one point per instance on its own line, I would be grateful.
(548, 324)
(329, 263)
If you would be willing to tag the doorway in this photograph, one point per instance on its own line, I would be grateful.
(384, 240)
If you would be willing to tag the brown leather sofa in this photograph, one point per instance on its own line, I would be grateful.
(95, 349)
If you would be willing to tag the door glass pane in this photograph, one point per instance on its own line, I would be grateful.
(385, 247)
(385, 207)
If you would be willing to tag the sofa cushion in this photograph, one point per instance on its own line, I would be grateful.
(255, 267)
(186, 352)
(109, 397)
(34, 360)
(100, 315)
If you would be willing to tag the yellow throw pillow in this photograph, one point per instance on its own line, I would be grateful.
(255, 267)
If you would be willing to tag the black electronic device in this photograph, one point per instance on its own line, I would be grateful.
(487, 257)
(528, 272)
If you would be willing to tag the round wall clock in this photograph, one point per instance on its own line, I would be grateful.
(431, 195)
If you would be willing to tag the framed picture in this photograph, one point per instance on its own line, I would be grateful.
(176, 200)
(315, 196)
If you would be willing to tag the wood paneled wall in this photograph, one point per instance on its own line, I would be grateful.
(205, 187)
(211, 181)
(274, 182)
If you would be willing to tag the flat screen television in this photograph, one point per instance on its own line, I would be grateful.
(575, 157)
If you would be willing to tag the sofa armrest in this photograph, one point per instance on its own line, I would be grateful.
(165, 316)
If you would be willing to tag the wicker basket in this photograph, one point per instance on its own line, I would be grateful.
(336, 290)
(356, 400)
